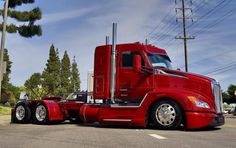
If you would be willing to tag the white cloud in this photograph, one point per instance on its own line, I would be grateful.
(65, 15)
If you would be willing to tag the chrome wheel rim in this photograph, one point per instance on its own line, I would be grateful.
(41, 113)
(20, 112)
(165, 114)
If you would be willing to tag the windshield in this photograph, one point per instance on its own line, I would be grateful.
(158, 60)
(71, 96)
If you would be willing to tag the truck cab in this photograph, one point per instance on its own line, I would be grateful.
(149, 92)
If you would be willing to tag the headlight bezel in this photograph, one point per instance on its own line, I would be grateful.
(198, 102)
(202, 104)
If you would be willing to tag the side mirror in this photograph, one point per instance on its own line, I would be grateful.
(137, 63)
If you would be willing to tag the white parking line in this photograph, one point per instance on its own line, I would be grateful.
(157, 136)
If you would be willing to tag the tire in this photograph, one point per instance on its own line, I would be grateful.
(41, 114)
(166, 114)
(22, 113)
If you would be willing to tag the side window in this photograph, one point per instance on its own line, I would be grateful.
(128, 59)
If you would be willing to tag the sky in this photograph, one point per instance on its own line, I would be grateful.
(78, 26)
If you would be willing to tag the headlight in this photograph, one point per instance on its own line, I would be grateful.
(202, 104)
(198, 103)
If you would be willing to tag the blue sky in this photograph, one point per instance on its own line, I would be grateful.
(78, 26)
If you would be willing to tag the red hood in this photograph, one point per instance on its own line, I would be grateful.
(188, 81)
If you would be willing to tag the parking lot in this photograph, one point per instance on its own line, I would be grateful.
(73, 135)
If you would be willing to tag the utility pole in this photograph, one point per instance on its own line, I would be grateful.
(4, 24)
(183, 9)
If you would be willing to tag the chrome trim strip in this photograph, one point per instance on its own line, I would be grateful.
(176, 76)
(117, 120)
(216, 91)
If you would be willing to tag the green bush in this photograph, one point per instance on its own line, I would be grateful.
(8, 97)
(5, 110)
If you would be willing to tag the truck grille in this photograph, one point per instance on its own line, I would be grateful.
(218, 97)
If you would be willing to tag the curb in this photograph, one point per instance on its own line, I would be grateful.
(4, 120)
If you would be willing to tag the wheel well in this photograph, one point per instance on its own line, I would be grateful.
(161, 99)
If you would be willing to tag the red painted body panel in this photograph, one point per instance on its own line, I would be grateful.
(122, 116)
(102, 72)
(198, 120)
(68, 107)
(89, 112)
(54, 110)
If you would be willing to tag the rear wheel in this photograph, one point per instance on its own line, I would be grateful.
(41, 114)
(166, 114)
(22, 113)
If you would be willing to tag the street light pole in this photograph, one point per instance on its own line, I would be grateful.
(4, 24)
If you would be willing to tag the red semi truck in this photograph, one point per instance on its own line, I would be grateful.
(138, 87)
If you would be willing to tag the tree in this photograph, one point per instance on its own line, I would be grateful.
(7, 94)
(58, 78)
(231, 92)
(65, 74)
(6, 78)
(28, 30)
(16, 90)
(51, 74)
(225, 97)
(229, 96)
(75, 79)
(34, 86)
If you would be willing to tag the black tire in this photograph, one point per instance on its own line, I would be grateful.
(22, 113)
(166, 114)
(41, 114)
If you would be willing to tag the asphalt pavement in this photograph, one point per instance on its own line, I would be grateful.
(68, 135)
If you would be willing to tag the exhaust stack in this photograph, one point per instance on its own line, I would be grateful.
(107, 40)
(113, 62)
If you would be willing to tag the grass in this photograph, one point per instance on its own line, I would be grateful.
(5, 110)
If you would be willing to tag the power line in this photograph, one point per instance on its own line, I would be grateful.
(202, 17)
(233, 64)
(165, 35)
(224, 71)
(200, 5)
(217, 21)
(163, 29)
(159, 24)
(209, 13)
(210, 57)
(197, 8)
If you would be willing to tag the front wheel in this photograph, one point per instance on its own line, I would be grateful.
(41, 114)
(166, 114)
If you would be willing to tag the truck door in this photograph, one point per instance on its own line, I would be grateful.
(131, 84)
